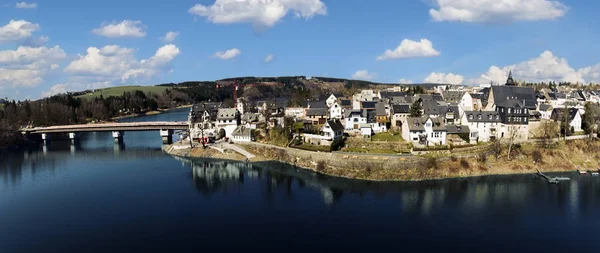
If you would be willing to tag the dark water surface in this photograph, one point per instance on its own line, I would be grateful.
(100, 197)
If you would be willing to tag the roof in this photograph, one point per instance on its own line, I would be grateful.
(389, 94)
(380, 109)
(476, 95)
(400, 100)
(345, 102)
(371, 117)
(545, 107)
(453, 96)
(504, 94)
(454, 109)
(316, 112)
(368, 104)
(250, 117)
(457, 129)
(360, 113)
(335, 125)
(431, 97)
(431, 107)
(242, 131)
(404, 108)
(316, 104)
(483, 116)
(558, 113)
(418, 123)
(226, 113)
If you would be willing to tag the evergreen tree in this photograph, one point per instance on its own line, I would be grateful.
(416, 109)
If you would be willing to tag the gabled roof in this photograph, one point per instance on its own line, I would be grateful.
(345, 102)
(316, 104)
(418, 123)
(504, 94)
(389, 94)
(380, 109)
(335, 125)
(558, 113)
(431, 107)
(483, 116)
(242, 131)
(400, 100)
(368, 104)
(355, 113)
(457, 129)
(316, 112)
(226, 113)
(476, 95)
(453, 96)
(545, 107)
(403, 108)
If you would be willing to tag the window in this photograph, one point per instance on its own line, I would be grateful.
(509, 110)
(470, 116)
(479, 117)
(428, 125)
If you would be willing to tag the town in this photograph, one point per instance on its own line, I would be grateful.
(437, 118)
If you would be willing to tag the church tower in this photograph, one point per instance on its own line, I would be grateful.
(510, 81)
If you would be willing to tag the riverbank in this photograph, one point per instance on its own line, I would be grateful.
(525, 159)
(149, 113)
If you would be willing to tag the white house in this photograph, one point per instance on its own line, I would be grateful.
(333, 129)
(353, 118)
(332, 98)
(424, 131)
(484, 126)
(366, 130)
(227, 120)
(545, 111)
(574, 117)
(335, 111)
(243, 134)
(294, 112)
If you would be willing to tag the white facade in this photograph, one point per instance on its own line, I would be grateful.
(482, 131)
(576, 122)
(332, 99)
(417, 134)
(335, 111)
(378, 127)
(294, 112)
(354, 120)
(366, 130)
(466, 102)
(330, 133)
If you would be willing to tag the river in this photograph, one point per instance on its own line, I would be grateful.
(100, 197)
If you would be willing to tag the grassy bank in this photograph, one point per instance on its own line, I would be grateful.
(118, 91)
(524, 159)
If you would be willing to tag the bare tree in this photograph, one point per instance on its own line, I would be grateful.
(548, 131)
(513, 134)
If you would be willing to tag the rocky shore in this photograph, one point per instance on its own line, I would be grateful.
(527, 159)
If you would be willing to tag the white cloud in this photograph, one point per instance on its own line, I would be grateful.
(113, 63)
(127, 28)
(444, 78)
(363, 75)
(497, 10)
(260, 13)
(410, 49)
(17, 30)
(269, 58)
(55, 90)
(24, 5)
(590, 74)
(229, 54)
(28, 66)
(546, 67)
(170, 36)
(405, 81)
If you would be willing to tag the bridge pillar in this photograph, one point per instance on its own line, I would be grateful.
(46, 138)
(118, 135)
(167, 136)
(73, 137)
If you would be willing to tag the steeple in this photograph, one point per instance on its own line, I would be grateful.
(510, 80)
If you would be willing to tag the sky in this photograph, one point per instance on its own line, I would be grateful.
(51, 47)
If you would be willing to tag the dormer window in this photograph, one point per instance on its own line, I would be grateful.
(497, 116)
(490, 116)
(479, 116)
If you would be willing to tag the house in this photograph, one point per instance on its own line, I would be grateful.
(243, 134)
(363, 96)
(251, 120)
(202, 119)
(451, 114)
(545, 111)
(294, 112)
(366, 130)
(335, 111)
(320, 104)
(456, 133)
(399, 113)
(368, 105)
(333, 129)
(317, 116)
(460, 98)
(484, 126)
(345, 103)
(431, 108)
(330, 100)
(355, 117)
(241, 105)
(477, 102)
(506, 95)
(572, 114)
(381, 118)
(227, 121)
(424, 131)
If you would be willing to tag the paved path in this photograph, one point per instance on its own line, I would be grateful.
(238, 149)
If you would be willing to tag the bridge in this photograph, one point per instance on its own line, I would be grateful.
(166, 129)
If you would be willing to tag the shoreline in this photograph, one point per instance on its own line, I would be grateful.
(149, 113)
(374, 168)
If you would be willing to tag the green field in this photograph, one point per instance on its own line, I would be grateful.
(118, 91)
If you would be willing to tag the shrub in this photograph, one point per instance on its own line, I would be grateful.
(321, 166)
(482, 168)
(453, 158)
(482, 158)
(537, 156)
(464, 163)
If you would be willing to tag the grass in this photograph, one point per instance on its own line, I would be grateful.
(387, 137)
(370, 151)
(1, 106)
(118, 91)
(315, 148)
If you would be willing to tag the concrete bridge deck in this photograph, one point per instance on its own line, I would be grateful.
(110, 127)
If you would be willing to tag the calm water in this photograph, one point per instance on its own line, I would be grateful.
(101, 197)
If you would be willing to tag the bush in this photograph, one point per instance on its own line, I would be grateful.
(537, 156)
(453, 158)
(464, 163)
(482, 157)
(321, 166)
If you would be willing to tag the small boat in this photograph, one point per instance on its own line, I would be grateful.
(561, 178)
(595, 173)
(582, 172)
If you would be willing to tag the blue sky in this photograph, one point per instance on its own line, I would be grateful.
(57, 46)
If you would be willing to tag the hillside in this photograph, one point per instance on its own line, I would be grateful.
(119, 90)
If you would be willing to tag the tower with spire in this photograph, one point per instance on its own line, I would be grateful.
(510, 81)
